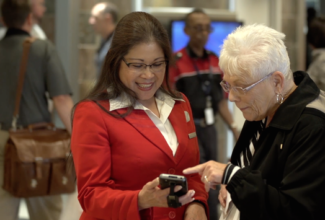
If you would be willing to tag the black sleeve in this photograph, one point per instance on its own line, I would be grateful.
(302, 188)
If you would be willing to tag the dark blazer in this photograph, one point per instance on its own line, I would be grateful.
(116, 157)
(286, 178)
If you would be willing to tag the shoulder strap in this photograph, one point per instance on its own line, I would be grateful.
(22, 70)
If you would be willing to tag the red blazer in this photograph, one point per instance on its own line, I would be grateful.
(115, 157)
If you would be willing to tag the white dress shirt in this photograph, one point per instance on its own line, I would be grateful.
(37, 32)
(165, 104)
(2, 32)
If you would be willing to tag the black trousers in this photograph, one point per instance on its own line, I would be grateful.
(207, 138)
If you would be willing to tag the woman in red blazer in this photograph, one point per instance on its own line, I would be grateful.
(131, 128)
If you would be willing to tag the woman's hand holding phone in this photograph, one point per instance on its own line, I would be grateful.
(152, 196)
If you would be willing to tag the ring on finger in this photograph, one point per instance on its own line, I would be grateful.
(206, 178)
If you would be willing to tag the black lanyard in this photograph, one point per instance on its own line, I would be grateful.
(206, 85)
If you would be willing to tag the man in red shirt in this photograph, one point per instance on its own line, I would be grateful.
(196, 73)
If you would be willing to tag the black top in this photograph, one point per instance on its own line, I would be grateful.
(286, 176)
(104, 41)
(192, 72)
(191, 53)
(14, 32)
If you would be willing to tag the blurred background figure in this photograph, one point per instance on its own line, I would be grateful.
(311, 15)
(316, 40)
(196, 73)
(38, 9)
(103, 18)
(2, 29)
(72, 209)
(44, 73)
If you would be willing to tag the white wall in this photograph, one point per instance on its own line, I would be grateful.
(252, 11)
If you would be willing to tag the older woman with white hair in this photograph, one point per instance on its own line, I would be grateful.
(277, 168)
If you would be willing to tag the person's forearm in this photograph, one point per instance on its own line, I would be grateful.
(64, 104)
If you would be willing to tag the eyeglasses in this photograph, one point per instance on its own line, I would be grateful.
(239, 90)
(201, 28)
(141, 67)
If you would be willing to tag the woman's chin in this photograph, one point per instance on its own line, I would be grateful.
(249, 117)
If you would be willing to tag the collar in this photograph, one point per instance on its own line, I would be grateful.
(290, 110)
(104, 41)
(109, 37)
(124, 101)
(15, 31)
(191, 53)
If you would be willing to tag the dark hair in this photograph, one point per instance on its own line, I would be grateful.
(133, 29)
(316, 32)
(187, 17)
(111, 9)
(311, 14)
(15, 12)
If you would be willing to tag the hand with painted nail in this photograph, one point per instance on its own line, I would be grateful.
(211, 173)
(152, 196)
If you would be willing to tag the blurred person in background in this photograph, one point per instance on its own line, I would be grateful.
(2, 29)
(72, 209)
(316, 40)
(38, 9)
(131, 128)
(277, 167)
(104, 16)
(311, 15)
(44, 73)
(196, 73)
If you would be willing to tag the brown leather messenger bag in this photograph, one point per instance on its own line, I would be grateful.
(36, 156)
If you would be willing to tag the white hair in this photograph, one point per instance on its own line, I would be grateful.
(254, 51)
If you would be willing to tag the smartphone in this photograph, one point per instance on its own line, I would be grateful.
(167, 180)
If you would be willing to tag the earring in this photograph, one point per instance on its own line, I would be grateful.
(279, 98)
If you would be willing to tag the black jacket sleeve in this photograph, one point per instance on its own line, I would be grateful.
(301, 190)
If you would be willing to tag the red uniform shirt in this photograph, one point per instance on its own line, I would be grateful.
(189, 72)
